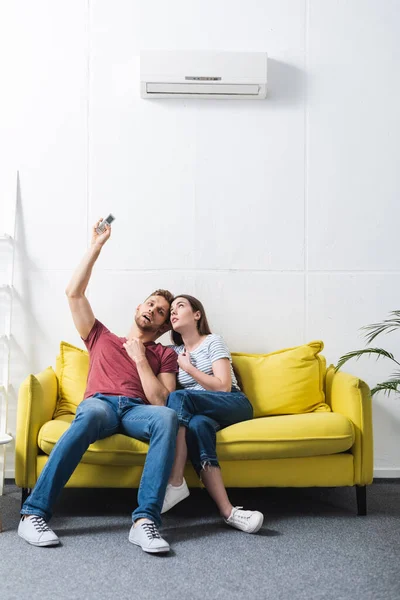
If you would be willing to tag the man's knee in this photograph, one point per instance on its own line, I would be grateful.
(165, 418)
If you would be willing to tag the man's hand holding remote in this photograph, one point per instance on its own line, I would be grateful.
(99, 239)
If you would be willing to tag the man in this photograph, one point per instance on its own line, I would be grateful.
(128, 384)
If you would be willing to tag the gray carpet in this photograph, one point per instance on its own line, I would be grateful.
(312, 545)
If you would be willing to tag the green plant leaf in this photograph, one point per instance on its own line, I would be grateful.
(358, 353)
(388, 325)
(387, 387)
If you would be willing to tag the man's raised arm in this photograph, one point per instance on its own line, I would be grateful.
(81, 310)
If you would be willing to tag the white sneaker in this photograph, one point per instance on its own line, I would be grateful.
(249, 521)
(147, 537)
(173, 495)
(35, 531)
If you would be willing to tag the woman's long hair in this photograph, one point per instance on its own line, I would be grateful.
(202, 324)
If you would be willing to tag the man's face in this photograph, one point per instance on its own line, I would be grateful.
(152, 314)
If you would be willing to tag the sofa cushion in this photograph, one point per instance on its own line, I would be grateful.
(72, 368)
(289, 381)
(313, 434)
(118, 449)
(289, 436)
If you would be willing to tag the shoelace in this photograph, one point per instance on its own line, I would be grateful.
(241, 517)
(151, 531)
(40, 524)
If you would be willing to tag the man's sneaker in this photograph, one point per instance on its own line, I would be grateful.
(173, 495)
(249, 521)
(147, 537)
(35, 531)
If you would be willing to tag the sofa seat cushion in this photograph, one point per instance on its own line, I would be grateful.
(288, 436)
(312, 434)
(118, 449)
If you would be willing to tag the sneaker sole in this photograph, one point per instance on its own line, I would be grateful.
(150, 550)
(164, 510)
(40, 544)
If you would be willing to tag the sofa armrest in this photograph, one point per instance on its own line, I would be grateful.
(37, 400)
(351, 397)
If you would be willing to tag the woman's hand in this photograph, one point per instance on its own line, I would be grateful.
(184, 361)
(135, 349)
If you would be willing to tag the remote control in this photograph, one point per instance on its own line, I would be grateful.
(101, 228)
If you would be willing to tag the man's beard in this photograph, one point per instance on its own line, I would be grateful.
(144, 325)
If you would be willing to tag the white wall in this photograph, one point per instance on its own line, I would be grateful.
(281, 215)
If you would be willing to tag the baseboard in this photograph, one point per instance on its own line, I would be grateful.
(379, 473)
(386, 473)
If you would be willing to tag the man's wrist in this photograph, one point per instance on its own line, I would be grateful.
(141, 360)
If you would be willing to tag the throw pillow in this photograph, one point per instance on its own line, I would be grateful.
(73, 367)
(285, 382)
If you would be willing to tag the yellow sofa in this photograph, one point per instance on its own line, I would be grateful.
(312, 426)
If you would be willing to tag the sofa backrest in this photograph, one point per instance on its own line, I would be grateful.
(287, 381)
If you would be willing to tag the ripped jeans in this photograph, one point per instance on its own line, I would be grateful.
(203, 413)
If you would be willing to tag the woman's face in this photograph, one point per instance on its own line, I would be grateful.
(183, 316)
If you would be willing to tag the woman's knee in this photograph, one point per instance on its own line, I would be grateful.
(175, 399)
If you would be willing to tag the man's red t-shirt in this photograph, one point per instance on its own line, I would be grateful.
(113, 372)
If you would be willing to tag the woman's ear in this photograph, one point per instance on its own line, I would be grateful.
(197, 315)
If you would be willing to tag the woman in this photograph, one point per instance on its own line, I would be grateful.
(210, 400)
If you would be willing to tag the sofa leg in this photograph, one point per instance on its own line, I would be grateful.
(25, 494)
(361, 492)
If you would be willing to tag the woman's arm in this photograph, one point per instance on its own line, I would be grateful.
(220, 381)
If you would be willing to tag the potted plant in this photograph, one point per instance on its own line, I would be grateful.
(387, 326)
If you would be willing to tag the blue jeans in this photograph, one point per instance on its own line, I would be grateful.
(99, 417)
(203, 413)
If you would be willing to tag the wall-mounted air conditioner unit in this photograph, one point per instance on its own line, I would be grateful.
(223, 75)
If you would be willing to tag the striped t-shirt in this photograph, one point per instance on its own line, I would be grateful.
(212, 348)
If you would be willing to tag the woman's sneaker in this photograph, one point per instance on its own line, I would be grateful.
(146, 536)
(173, 495)
(35, 531)
(249, 521)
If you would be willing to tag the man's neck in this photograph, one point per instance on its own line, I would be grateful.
(143, 336)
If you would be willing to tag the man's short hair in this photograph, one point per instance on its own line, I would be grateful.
(168, 297)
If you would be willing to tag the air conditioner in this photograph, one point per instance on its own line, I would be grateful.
(221, 75)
